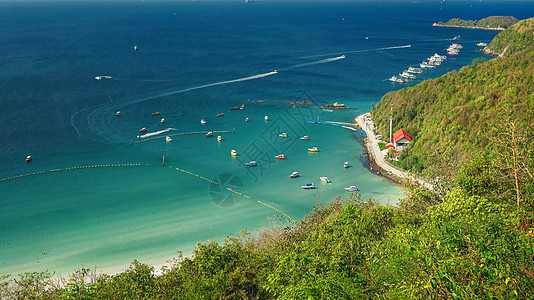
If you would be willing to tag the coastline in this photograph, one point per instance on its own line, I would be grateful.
(377, 162)
(470, 27)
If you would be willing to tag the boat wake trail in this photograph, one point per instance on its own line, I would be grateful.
(358, 51)
(322, 61)
(155, 133)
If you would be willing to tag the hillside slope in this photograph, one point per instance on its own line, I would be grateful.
(449, 118)
(514, 39)
(493, 22)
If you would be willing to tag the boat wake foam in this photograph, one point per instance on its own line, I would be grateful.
(155, 133)
(357, 51)
(322, 61)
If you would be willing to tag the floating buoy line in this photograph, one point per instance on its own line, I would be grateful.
(69, 169)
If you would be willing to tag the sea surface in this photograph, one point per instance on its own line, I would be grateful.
(96, 195)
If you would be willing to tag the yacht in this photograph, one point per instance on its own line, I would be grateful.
(407, 75)
(352, 188)
(482, 44)
(415, 70)
(308, 186)
(396, 79)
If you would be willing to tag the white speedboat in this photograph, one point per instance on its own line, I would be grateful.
(280, 156)
(210, 133)
(283, 135)
(142, 129)
(162, 120)
(415, 70)
(251, 164)
(352, 188)
(28, 158)
(305, 138)
(325, 179)
(308, 186)
(246, 119)
(266, 118)
(407, 75)
(396, 79)
(346, 164)
(294, 175)
(118, 113)
(202, 122)
(168, 139)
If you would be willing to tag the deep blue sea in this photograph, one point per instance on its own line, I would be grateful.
(97, 195)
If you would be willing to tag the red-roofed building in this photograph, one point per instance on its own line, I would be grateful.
(401, 137)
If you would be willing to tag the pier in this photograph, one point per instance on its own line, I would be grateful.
(340, 124)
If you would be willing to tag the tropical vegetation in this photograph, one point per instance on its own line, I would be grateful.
(518, 37)
(501, 22)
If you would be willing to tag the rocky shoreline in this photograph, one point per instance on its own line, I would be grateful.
(471, 27)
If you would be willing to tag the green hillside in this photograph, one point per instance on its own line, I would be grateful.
(515, 39)
(486, 23)
(450, 118)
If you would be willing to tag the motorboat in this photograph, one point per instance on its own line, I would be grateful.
(118, 113)
(266, 118)
(407, 75)
(210, 133)
(219, 138)
(426, 65)
(415, 70)
(162, 120)
(352, 188)
(168, 139)
(28, 158)
(246, 119)
(305, 138)
(136, 48)
(233, 152)
(308, 186)
(142, 129)
(346, 164)
(251, 163)
(220, 115)
(238, 107)
(325, 179)
(283, 135)
(396, 79)
(280, 156)
(156, 113)
(294, 175)
(313, 149)
(456, 37)
(202, 122)
(482, 44)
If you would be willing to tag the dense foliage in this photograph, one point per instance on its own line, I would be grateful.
(489, 22)
(453, 118)
(514, 39)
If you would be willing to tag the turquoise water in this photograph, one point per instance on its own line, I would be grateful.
(195, 60)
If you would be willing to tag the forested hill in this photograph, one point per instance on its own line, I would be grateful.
(514, 39)
(451, 118)
(493, 22)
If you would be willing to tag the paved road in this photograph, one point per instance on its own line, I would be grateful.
(371, 143)
(372, 147)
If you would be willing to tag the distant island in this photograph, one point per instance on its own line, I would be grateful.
(489, 23)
